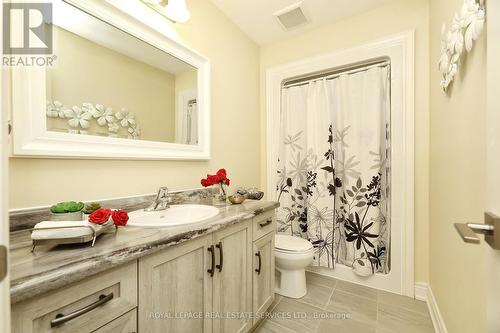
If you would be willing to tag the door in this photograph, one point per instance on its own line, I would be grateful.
(4, 219)
(493, 158)
(232, 301)
(263, 274)
(175, 288)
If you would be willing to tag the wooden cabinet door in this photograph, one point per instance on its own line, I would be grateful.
(232, 303)
(263, 275)
(175, 289)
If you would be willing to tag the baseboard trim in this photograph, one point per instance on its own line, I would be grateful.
(423, 292)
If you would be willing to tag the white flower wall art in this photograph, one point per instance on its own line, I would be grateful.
(466, 28)
(126, 118)
(104, 115)
(134, 132)
(56, 110)
(113, 128)
(80, 118)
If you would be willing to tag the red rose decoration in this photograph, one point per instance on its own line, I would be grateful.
(219, 178)
(120, 217)
(213, 179)
(100, 216)
(221, 174)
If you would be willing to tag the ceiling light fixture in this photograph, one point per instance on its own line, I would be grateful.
(177, 11)
(174, 10)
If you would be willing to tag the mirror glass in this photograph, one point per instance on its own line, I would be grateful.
(106, 82)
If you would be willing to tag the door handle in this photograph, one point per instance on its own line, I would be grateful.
(3, 262)
(260, 263)
(212, 269)
(221, 257)
(468, 231)
(490, 229)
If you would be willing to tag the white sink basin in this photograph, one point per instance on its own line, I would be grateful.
(176, 215)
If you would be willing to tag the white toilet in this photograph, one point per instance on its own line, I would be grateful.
(292, 256)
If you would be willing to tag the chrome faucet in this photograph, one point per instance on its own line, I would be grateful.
(161, 202)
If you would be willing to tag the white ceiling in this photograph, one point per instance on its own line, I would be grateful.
(255, 17)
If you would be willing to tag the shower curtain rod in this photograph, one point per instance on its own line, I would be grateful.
(331, 74)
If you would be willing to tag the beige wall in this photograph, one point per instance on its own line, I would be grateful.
(87, 72)
(185, 81)
(235, 114)
(398, 17)
(457, 180)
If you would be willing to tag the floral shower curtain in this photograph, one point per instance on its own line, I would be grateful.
(333, 168)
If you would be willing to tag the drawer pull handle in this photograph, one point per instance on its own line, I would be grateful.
(268, 222)
(221, 257)
(61, 319)
(212, 269)
(260, 262)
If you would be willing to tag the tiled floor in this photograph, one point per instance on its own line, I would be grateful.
(334, 306)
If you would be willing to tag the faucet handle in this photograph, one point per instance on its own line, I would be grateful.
(161, 202)
(162, 193)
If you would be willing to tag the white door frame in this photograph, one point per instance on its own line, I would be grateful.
(399, 49)
(4, 218)
(182, 99)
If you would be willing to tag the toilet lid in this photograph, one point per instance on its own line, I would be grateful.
(291, 243)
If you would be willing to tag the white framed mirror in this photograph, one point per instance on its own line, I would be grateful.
(118, 89)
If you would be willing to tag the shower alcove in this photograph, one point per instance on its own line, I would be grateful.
(391, 60)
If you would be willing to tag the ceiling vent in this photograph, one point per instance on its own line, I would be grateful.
(291, 17)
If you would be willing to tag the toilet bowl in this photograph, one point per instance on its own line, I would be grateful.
(292, 256)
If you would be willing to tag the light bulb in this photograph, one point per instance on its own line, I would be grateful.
(177, 11)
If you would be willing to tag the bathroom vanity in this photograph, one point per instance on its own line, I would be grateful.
(215, 276)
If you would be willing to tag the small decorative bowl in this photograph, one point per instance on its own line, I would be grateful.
(236, 199)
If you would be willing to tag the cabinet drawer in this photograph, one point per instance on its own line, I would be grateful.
(263, 224)
(87, 305)
(123, 324)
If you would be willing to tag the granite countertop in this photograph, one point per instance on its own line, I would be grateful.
(52, 267)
